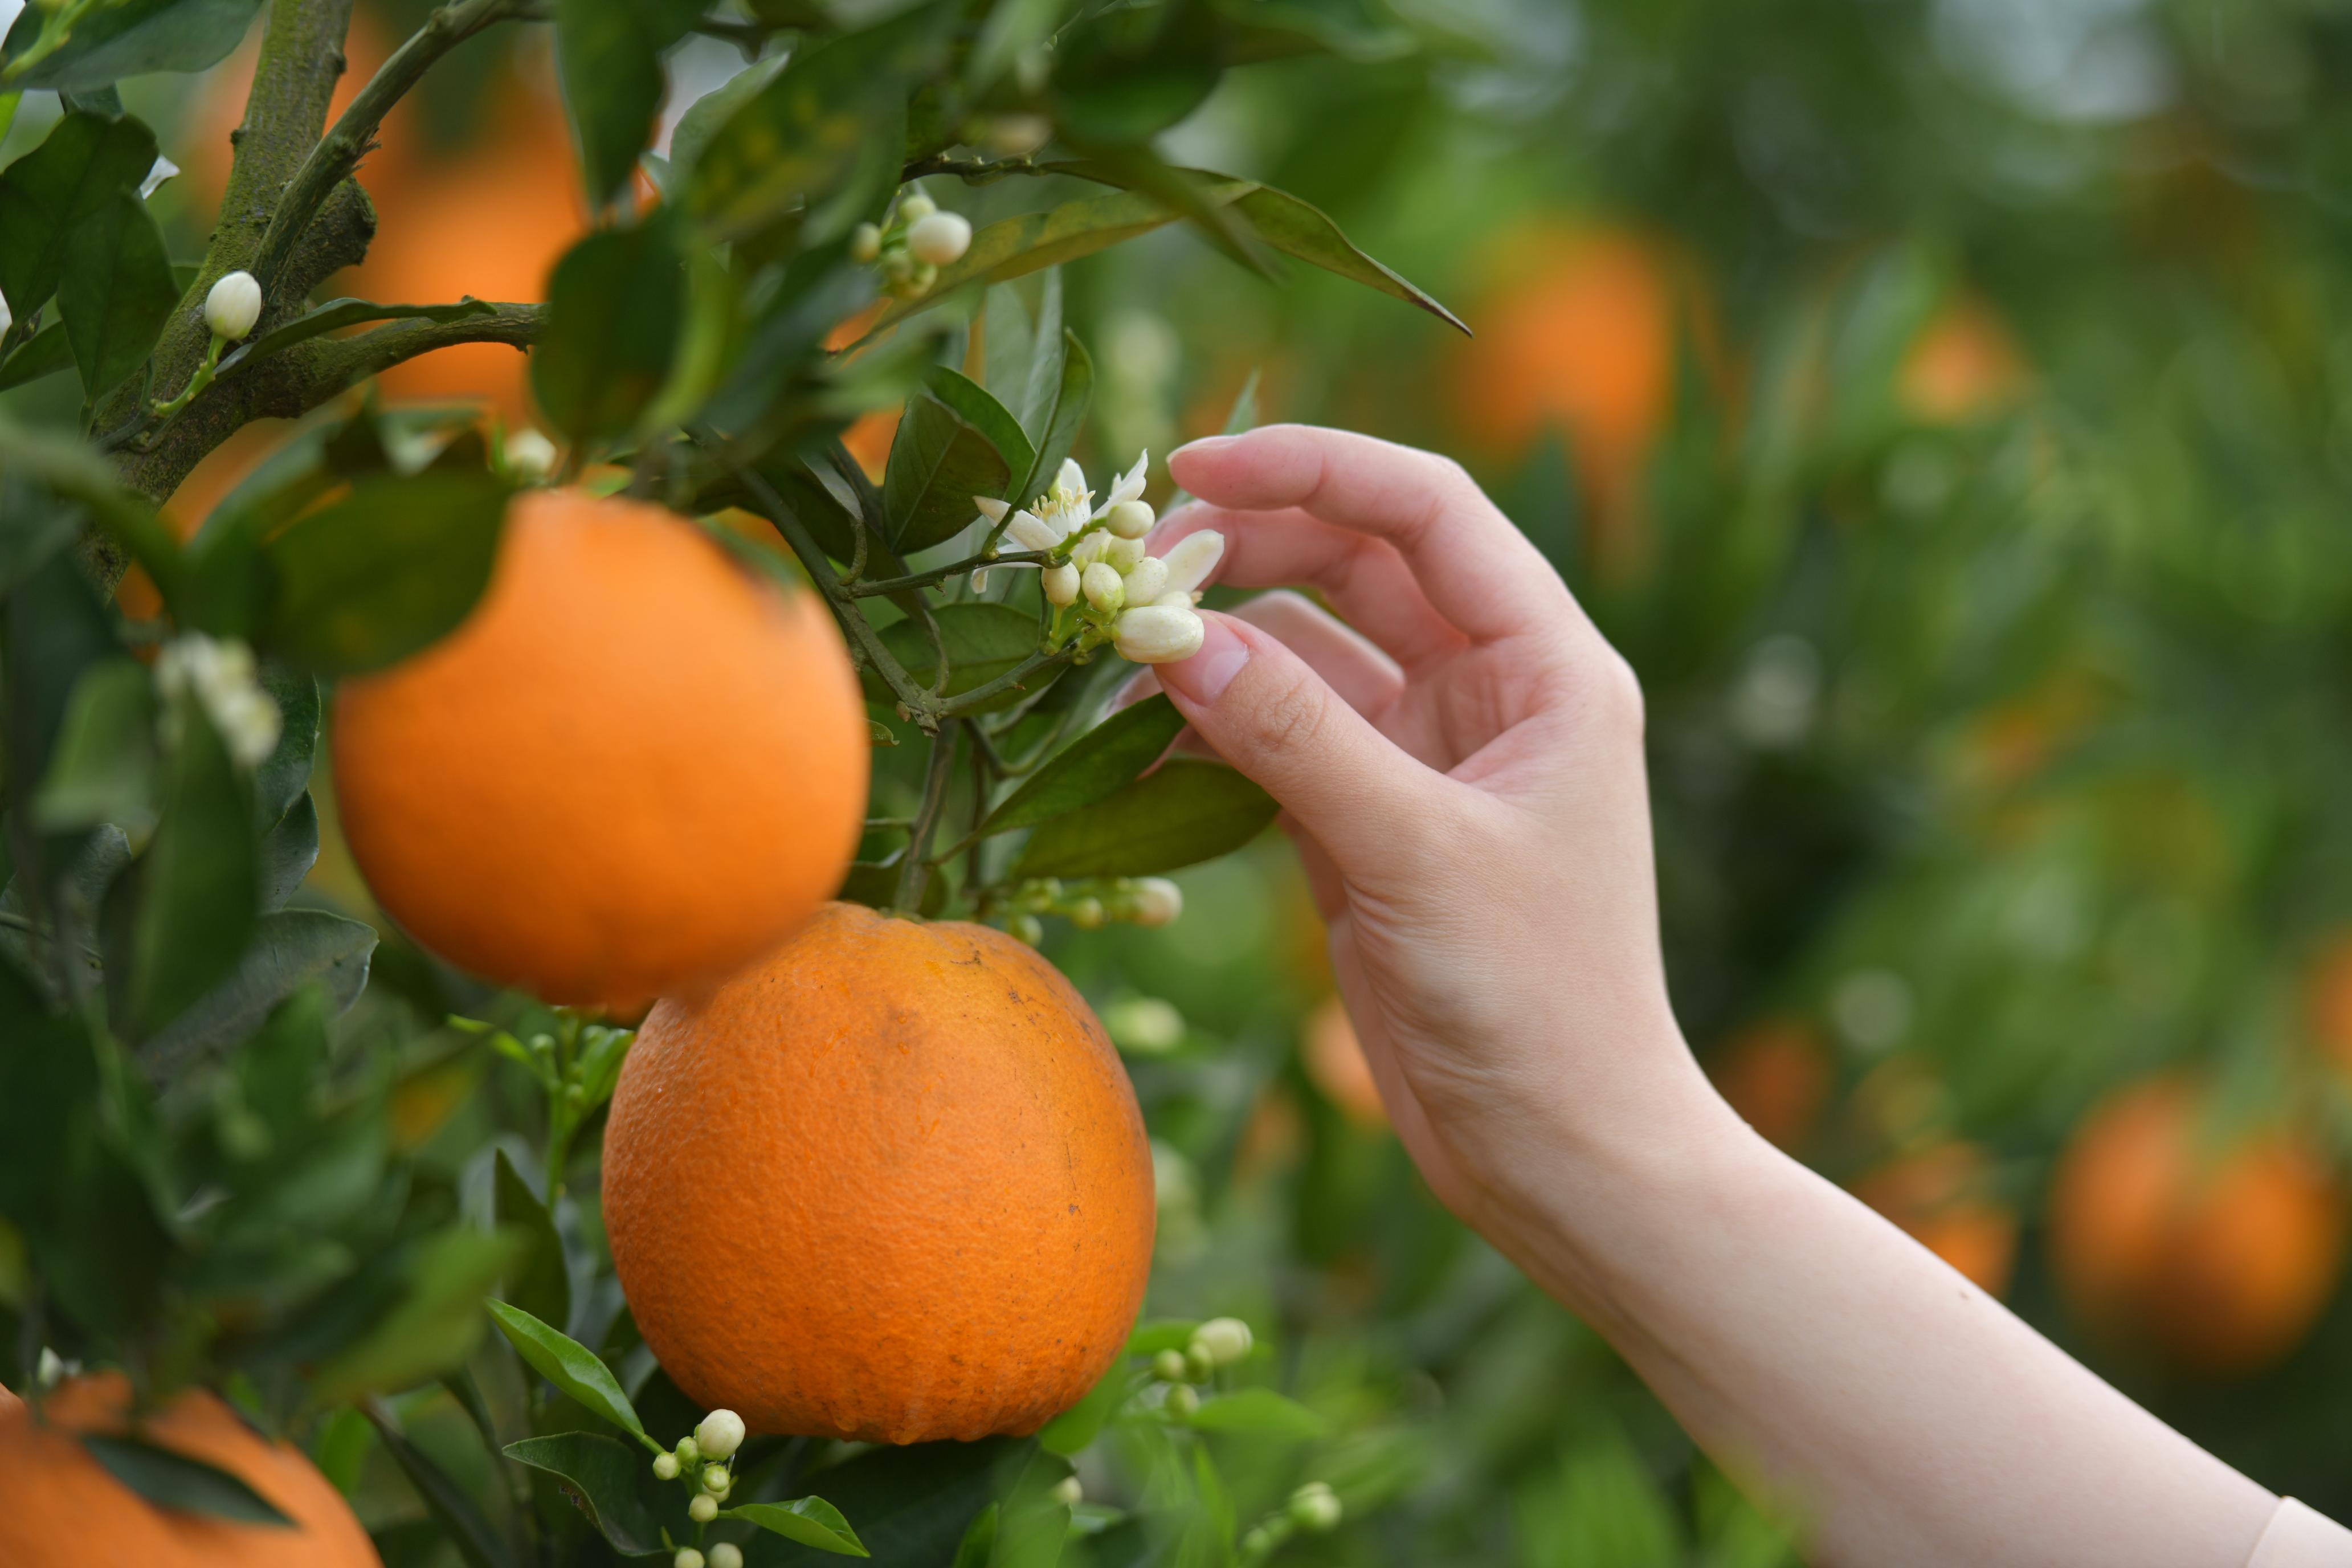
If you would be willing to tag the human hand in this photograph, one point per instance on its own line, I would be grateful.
(1462, 772)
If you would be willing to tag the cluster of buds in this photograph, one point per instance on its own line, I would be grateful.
(912, 243)
(221, 674)
(1314, 1507)
(1095, 563)
(1091, 903)
(701, 1461)
(1219, 1342)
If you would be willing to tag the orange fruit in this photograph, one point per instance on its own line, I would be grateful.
(1964, 366)
(1777, 1075)
(2328, 999)
(2219, 1259)
(890, 1184)
(633, 769)
(216, 109)
(60, 1506)
(1939, 1196)
(1334, 1059)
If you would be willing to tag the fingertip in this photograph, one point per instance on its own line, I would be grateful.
(1198, 682)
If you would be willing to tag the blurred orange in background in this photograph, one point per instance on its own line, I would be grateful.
(2328, 999)
(1941, 1197)
(2219, 1257)
(1965, 365)
(1777, 1075)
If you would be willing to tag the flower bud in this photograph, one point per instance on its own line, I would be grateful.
(896, 264)
(1125, 554)
(1157, 633)
(1224, 1339)
(1177, 600)
(1061, 585)
(714, 1479)
(1026, 929)
(703, 1508)
(1087, 914)
(1147, 580)
(688, 1557)
(1257, 1540)
(864, 242)
(1130, 518)
(1031, 531)
(725, 1554)
(1103, 587)
(688, 1451)
(920, 280)
(1168, 1366)
(939, 238)
(1069, 1493)
(1157, 901)
(1315, 1506)
(719, 1433)
(232, 306)
(1089, 549)
(1194, 557)
(665, 1466)
(530, 454)
(1197, 1365)
(1017, 135)
(1144, 1025)
(916, 207)
(1183, 1401)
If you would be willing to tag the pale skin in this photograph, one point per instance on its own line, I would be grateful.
(1459, 758)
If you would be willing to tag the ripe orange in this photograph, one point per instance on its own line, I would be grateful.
(2218, 1258)
(1964, 366)
(1777, 1075)
(1939, 1197)
(891, 1184)
(1334, 1059)
(2328, 999)
(633, 770)
(60, 1506)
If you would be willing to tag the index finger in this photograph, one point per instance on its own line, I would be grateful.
(1478, 571)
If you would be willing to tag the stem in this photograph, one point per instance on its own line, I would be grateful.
(57, 28)
(942, 573)
(915, 872)
(196, 382)
(339, 152)
(1009, 681)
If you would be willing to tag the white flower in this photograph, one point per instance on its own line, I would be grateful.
(1157, 901)
(1223, 1339)
(1157, 633)
(221, 674)
(665, 1466)
(719, 1433)
(1315, 1506)
(1193, 559)
(530, 454)
(864, 242)
(1101, 584)
(1066, 506)
(6, 320)
(725, 1554)
(703, 1508)
(917, 207)
(940, 238)
(1069, 1493)
(1031, 531)
(688, 1557)
(1061, 585)
(160, 170)
(1147, 580)
(232, 306)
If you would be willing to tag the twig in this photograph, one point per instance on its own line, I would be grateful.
(942, 573)
(1011, 680)
(917, 869)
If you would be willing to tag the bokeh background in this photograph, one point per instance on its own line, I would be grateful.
(1947, 405)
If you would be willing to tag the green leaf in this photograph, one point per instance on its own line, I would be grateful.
(614, 305)
(983, 641)
(1294, 227)
(706, 114)
(131, 38)
(33, 526)
(912, 1504)
(612, 1484)
(196, 884)
(1182, 812)
(1009, 343)
(810, 1521)
(116, 292)
(452, 1507)
(434, 1327)
(86, 161)
(103, 769)
(1162, 1334)
(974, 404)
(874, 884)
(1015, 28)
(378, 576)
(174, 1481)
(567, 1364)
(938, 461)
(540, 1285)
(288, 850)
(335, 315)
(609, 54)
(1124, 75)
(279, 781)
(1098, 763)
(1258, 1410)
(1078, 1425)
(70, 469)
(291, 949)
(48, 352)
(1060, 413)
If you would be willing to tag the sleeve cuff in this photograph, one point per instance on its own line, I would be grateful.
(2298, 1538)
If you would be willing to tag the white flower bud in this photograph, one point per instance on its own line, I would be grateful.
(1125, 555)
(1194, 557)
(1225, 1340)
(864, 242)
(1168, 1366)
(1183, 1401)
(665, 1466)
(1145, 1026)
(1089, 549)
(1103, 587)
(1061, 585)
(1197, 1363)
(1069, 1493)
(1157, 901)
(688, 1451)
(725, 1554)
(916, 207)
(1026, 929)
(221, 674)
(49, 1370)
(1018, 135)
(703, 1508)
(1147, 580)
(898, 266)
(939, 238)
(980, 580)
(1031, 531)
(232, 306)
(1130, 518)
(919, 281)
(718, 1435)
(1177, 599)
(6, 320)
(688, 1557)
(1157, 633)
(1088, 914)
(714, 1479)
(530, 454)
(1315, 1506)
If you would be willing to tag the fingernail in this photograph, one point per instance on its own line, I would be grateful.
(1205, 444)
(1203, 678)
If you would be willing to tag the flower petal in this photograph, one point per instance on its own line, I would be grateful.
(1194, 557)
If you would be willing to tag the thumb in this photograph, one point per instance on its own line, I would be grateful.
(1256, 701)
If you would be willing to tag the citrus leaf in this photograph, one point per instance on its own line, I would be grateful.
(195, 903)
(433, 1327)
(1078, 1425)
(1186, 812)
(1294, 227)
(612, 1484)
(608, 54)
(47, 353)
(1258, 1410)
(115, 293)
(174, 1481)
(706, 114)
(279, 782)
(131, 38)
(538, 1284)
(983, 641)
(567, 1364)
(981, 409)
(614, 305)
(336, 314)
(810, 1521)
(1099, 762)
(1162, 1334)
(912, 1504)
(938, 461)
(452, 1507)
(288, 850)
(291, 949)
(103, 769)
(86, 161)
(1060, 413)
